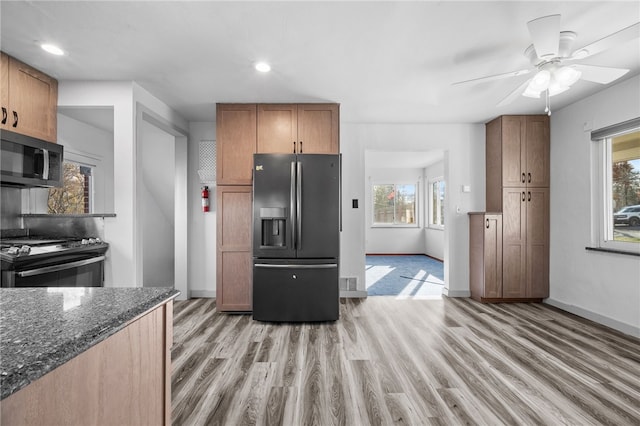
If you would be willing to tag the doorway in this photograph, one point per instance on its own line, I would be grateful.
(404, 226)
(404, 276)
(161, 199)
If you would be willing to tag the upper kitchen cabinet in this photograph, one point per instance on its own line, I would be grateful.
(236, 143)
(518, 155)
(299, 128)
(29, 100)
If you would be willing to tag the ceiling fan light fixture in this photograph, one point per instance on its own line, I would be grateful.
(540, 81)
(555, 88)
(566, 76)
(529, 93)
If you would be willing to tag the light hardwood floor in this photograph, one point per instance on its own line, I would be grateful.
(388, 362)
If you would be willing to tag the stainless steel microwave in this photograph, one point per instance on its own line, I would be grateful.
(29, 162)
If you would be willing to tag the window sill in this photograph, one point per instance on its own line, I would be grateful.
(614, 251)
(393, 226)
(435, 228)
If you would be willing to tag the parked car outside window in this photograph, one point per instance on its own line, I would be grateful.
(629, 215)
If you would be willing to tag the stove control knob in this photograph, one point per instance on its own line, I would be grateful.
(92, 240)
(98, 240)
(13, 250)
(24, 250)
(84, 242)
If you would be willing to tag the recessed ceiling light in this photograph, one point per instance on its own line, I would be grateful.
(52, 48)
(263, 67)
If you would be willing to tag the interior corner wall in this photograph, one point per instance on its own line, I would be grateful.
(120, 265)
(91, 145)
(463, 145)
(433, 237)
(202, 231)
(157, 196)
(393, 240)
(600, 286)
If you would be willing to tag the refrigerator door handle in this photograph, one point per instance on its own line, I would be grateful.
(292, 206)
(340, 191)
(305, 266)
(299, 205)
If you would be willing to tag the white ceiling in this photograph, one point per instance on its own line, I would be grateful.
(382, 61)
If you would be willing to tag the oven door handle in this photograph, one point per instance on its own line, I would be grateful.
(56, 268)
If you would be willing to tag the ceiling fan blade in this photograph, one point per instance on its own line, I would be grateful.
(513, 95)
(612, 40)
(493, 77)
(597, 74)
(545, 34)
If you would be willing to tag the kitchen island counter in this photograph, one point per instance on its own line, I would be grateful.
(42, 329)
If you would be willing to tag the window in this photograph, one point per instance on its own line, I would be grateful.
(436, 203)
(394, 204)
(619, 200)
(74, 197)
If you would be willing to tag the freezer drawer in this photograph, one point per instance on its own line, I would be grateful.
(302, 292)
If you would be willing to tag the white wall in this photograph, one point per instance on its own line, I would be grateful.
(393, 240)
(157, 193)
(90, 145)
(202, 232)
(600, 286)
(122, 268)
(463, 164)
(433, 237)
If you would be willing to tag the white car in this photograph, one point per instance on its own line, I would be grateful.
(629, 215)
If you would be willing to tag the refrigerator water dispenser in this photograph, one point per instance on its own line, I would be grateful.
(274, 222)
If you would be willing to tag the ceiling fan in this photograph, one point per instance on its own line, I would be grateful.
(551, 56)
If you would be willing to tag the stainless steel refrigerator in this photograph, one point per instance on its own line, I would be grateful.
(296, 237)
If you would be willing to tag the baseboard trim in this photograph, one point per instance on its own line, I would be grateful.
(595, 317)
(456, 293)
(353, 293)
(202, 294)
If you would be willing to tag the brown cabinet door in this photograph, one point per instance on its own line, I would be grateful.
(513, 151)
(537, 242)
(538, 151)
(514, 244)
(277, 128)
(318, 128)
(493, 256)
(33, 101)
(485, 256)
(235, 142)
(4, 90)
(234, 267)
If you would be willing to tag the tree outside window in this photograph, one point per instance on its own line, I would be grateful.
(74, 197)
(394, 204)
(625, 187)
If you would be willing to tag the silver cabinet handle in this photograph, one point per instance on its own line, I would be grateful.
(305, 266)
(45, 168)
(55, 268)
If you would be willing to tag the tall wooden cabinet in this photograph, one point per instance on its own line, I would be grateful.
(241, 131)
(29, 100)
(517, 173)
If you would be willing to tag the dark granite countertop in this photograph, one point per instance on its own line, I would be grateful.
(42, 328)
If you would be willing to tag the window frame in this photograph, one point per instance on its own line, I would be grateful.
(604, 224)
(431, 208)
(81, 162)
(416, 207)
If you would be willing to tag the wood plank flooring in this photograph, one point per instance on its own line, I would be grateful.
(397, 362)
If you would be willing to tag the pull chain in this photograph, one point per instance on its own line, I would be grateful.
(547, 107)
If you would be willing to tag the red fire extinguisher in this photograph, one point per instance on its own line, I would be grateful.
(205, 199)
